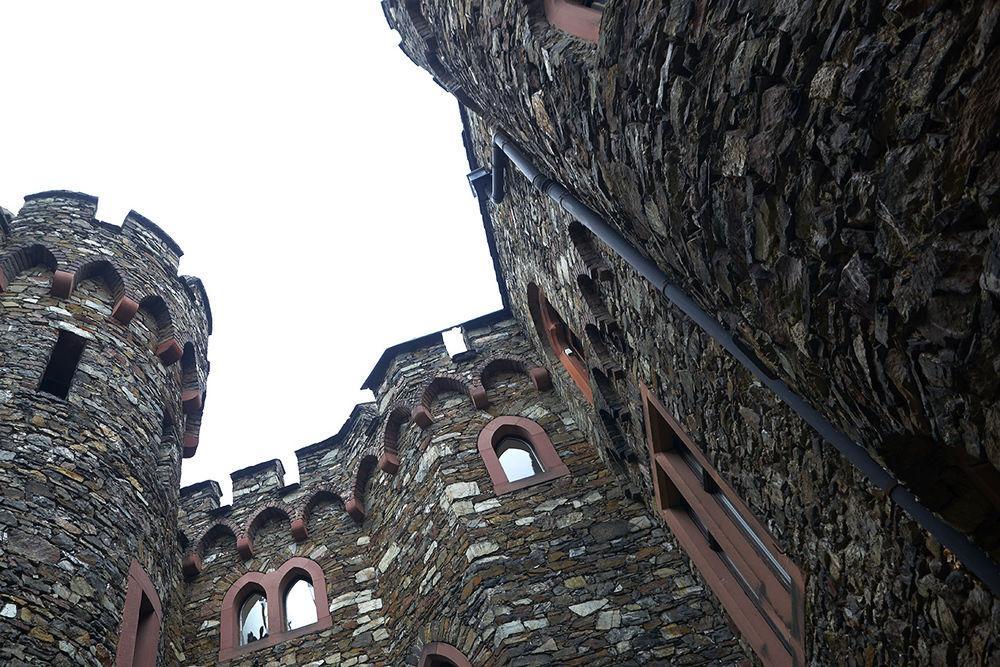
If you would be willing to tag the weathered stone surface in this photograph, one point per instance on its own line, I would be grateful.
(91, 481)
(823, 179)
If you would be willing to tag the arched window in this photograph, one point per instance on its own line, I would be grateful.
(518, 454)
(439, 654)
(517, 458)
(300, 604)
(266, 609)
(140, 630)
(253, 618)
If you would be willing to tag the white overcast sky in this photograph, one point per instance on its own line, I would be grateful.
(313, 175)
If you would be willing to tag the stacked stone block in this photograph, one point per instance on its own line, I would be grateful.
(90, 481)
(568, 572)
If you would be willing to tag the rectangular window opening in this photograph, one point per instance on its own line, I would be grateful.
(62, 364)
(725, 544)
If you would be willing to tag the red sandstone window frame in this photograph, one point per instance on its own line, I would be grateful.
(575, 19)
(718, 544)
(532, 433)
(553, 329)
(444, 651)
(274, 585)
(139, 637)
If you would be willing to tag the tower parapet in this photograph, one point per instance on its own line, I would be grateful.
(103, 369)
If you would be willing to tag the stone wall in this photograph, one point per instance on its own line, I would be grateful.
(90, 482)
(821, 176)
(878, 587)
(572, 571)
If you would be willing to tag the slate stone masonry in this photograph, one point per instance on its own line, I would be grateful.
(91, 482)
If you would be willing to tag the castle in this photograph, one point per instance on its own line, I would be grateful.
(741, 405)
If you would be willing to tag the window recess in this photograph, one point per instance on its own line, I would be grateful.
(760, 588)
(59, 372)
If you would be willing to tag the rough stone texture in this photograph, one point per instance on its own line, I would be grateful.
(567, 572)
(90, 482)
(820, 176)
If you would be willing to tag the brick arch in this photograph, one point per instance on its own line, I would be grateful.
(355, 503)
(538, 375)
(192, 563)
(21, 259)
(245, 542)
(440, 385)
(154, 306)
(300, 522)
(395, 422)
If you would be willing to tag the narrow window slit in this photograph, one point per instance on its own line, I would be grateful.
(62, 364)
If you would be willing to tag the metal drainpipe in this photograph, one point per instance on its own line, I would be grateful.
(972, 556)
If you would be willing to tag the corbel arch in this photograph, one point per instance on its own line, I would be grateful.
(440, 385)
(300, 523)
(395, 422)
(158, 311)
(245, 542)
(193, 561)
(19, 260)
(355, 504)
(538, 375)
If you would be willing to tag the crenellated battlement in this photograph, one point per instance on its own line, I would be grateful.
(417, 383)
(136, 263)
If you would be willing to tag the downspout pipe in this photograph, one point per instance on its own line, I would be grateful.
(972, 556)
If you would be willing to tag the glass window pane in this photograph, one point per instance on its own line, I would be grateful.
(517, 459)
(253, 619)
(300, 604)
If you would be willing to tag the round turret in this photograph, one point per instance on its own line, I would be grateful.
(102, 386)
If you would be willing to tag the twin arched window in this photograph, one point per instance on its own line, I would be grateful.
(299, 610)
(262, 610)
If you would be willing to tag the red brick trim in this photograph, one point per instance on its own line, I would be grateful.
(421, 416)
(442, 650)
(534, 434)
(190, 444)
(169, 352)
(62, 284)
(192, 565)
(191, 398)
(541, 378)
(554, 332)
(299, 530)
(244, 547)
(479, 398)
(134, 650)
(577, 20)
(272, 585)
(355, 509)
(389, 462)
(124, 310)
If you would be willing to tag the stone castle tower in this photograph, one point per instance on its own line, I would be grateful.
(740, 405)
(103, 350)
